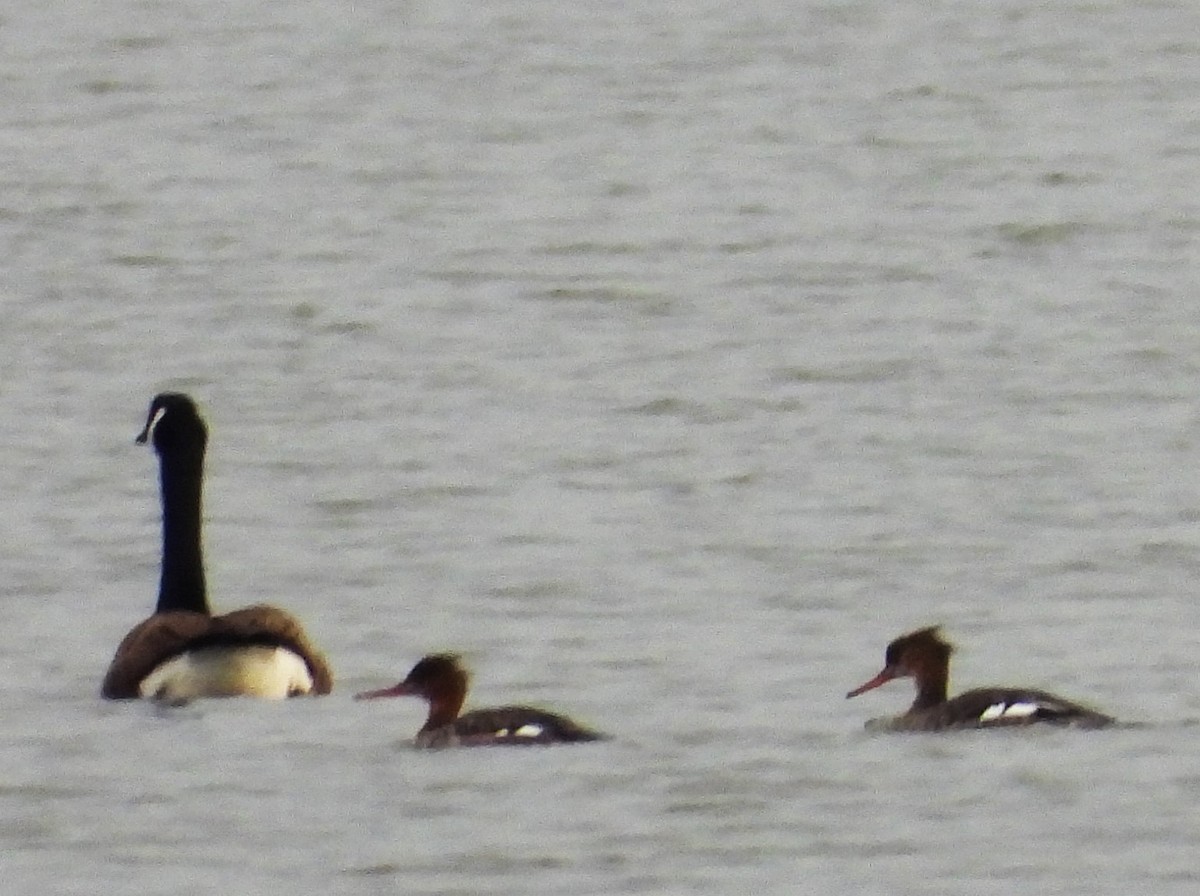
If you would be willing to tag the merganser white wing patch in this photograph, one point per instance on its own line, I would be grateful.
(1008, 711)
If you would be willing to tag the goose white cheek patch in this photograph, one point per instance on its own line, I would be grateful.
(529, 730)
(1008, 711)
(158, 415)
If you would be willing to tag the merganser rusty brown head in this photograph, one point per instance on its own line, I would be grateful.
(440, 679)
(922, 655)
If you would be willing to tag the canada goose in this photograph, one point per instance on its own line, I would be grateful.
(183, 651)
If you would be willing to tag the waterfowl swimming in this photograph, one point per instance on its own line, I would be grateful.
(183, 651)
(441, 680)
(924, 656)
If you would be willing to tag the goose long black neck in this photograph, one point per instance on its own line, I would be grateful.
(180, 436)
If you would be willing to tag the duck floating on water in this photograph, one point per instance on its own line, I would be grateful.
(182, 651)
(442, 680)
(924, 656)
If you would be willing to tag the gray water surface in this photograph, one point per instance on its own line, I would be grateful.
(666, 360)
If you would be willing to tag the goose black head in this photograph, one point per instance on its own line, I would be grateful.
(173, 423)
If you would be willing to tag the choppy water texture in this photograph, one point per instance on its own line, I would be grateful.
(666, 360)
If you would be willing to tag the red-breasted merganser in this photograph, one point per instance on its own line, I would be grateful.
(183, 651)
(925, 657)
(441, 679)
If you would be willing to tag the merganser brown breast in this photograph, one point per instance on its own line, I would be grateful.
(924, 656)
